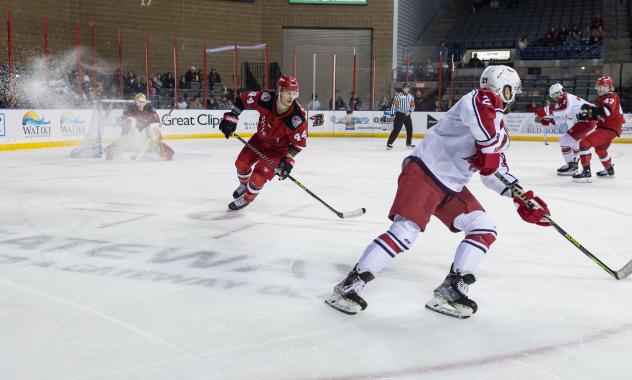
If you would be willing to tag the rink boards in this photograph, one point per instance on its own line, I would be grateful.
(40, 128)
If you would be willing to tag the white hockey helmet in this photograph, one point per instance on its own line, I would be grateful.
(555, 88)
(503, 80)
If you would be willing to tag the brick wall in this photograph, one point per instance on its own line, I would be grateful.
(218, 22)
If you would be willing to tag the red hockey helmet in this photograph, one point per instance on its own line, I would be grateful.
(288, 82)
(603, 85)
(605, 81)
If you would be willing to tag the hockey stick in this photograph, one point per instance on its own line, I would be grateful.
(619, 274)
(341, 215)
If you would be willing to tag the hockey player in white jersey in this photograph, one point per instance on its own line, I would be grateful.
(567, 106)
(470, 137)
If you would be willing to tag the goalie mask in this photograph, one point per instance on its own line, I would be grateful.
(503, 80)
(140, 101)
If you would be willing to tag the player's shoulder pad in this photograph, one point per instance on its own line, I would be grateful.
(266, 99)
(296, 118)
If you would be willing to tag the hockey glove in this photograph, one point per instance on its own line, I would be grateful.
(285, 167)
(485, 163)
(532, 214)
(228, 125)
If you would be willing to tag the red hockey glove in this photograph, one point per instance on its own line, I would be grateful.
(285, 167)
(485, 163)
(228, 125)
(532, 214)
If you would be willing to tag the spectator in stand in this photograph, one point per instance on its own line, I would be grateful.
(429, 70)
(196, 104)
(474, 61)
(597, 22)
(189, 76)
(419, 99)
(168, 81)
(551, 37)
(182, 83)
(494, 4)
(523, 43)
(355, 104)
(213, 77)
(384, 104)
(211, 103)
(586, 35)
(182, 104)
(574, 36)
(564, 32)
(340, 104)
(314, 103)
(532, 107)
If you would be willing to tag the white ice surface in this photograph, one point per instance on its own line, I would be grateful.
(135, 270)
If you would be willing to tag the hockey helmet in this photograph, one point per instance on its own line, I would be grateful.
(140, 101)
(503, 80)
(288, 83)
(603, 85)
(554, 89)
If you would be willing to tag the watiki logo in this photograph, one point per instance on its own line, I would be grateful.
(35, 126)
(71, 124)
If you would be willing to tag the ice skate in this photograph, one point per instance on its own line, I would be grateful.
(238, 203)
(568, 169)
(410, 146)
(584, 176)
(239, 191)
(606, 173)
(389, 146)
(346, 297)
(450, 298)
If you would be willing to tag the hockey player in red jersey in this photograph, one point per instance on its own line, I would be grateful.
(609, 117)
(281, 135)
(470, 137)
(565, 111)
(143, 117)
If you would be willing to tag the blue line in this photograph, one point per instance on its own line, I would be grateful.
(383, 247)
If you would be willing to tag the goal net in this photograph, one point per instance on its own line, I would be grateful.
(106, 125)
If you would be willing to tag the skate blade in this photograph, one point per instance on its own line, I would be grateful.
(442, 306)
(606, 176)
(582, 180)
(568, 174)
(342, 305)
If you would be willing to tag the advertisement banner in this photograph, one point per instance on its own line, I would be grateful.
(28, 128)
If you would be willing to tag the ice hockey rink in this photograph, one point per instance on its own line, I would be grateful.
(136, 270)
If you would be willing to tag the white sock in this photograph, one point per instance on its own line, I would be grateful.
(467, 258)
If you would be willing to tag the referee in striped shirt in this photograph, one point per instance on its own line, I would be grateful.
(403, 105)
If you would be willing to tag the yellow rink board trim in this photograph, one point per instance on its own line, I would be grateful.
(64, 143)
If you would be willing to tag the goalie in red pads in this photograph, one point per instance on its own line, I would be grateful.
(143, 117)
(470, 137)
(281, 135)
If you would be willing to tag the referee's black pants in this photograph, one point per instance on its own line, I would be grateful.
(401, 118)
